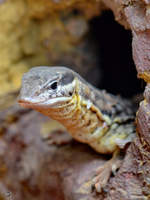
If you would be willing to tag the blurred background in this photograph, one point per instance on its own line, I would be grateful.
(80, 35)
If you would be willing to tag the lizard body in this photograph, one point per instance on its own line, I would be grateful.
(91, 116)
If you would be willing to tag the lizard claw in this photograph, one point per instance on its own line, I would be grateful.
(102, 177)
(104, 172)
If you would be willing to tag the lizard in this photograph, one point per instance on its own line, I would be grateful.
(92, 116)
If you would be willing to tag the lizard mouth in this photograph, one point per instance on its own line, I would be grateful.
(27, 103)
(58, 101)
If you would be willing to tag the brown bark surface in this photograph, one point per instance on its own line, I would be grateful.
(133, 179)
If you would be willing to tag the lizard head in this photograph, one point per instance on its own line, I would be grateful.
(47, 87)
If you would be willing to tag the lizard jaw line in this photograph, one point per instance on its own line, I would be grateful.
(28, 103)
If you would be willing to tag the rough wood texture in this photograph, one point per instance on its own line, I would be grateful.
(133, 179)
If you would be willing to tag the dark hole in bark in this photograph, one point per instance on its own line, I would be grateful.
(119, 74)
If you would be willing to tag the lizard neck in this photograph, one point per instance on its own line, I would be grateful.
(81, 118)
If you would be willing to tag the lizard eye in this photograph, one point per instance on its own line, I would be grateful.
(53, 86)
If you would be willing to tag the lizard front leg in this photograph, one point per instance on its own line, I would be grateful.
(104, 172)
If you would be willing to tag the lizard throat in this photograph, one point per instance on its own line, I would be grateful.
(83, 121)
